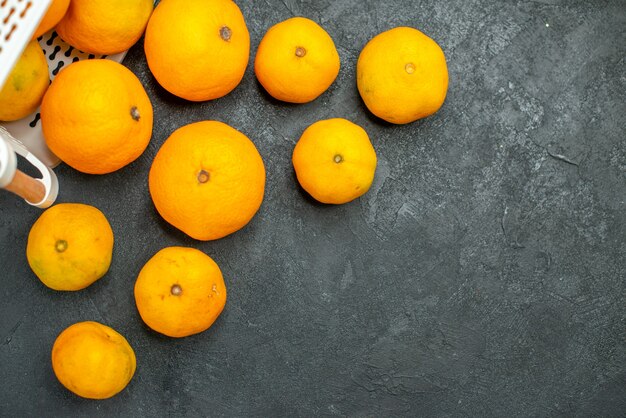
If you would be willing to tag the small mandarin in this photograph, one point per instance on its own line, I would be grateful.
(26, 85)
(104, 27)
(296, 61)
(334, 161)
(70, 246)
(55, 13)
(402, 75)
(180, 292)
(93, 360)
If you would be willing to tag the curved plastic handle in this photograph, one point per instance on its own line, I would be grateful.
(8, 167)
(8, 164)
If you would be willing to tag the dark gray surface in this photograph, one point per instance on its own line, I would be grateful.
(482, 275)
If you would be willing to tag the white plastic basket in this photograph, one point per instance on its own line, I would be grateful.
(18, 21)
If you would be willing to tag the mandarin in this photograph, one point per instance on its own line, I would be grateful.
(197, 49)
(93, 360)
(296, 61)
(402, 75)
(96, 116)
(334, 161)
(180, 292)
(104, 27)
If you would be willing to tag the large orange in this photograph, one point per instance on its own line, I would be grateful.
(296, 60)
(180, 292)
(197, 49)
(96, 116)
(55, 13)
(402, 75)
(104, 26)
(207, 180)
(335, 161)
(92, 360)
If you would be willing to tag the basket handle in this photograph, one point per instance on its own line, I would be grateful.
(36, 192)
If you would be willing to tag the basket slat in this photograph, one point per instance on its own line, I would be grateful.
(18, 21)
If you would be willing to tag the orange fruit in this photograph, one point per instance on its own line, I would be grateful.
(334, 161)
(104, 27)
(24, 88)
(55, 13)
(207, 180)
(180, 292)
(402, 75)
(296, 60)
(70, 246)
(92, 360)
(96, 116)
(197, 49)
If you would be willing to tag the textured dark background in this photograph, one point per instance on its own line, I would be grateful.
(482, 275)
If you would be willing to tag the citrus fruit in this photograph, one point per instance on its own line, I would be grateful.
(402, 75)
(24, 88)
(197, 49)
(180, 292)
(104, 26)
(207, 180)
(296, 60)
(92, 360)
(70, 246)
(334, 161)
(55, 13)
(96, 116)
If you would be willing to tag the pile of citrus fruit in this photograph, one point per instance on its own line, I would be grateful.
(207, 179)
